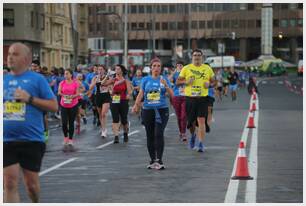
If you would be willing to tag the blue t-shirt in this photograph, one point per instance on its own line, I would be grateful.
(86, 86)
(89, 78)
(136, 82)
(211, 91)
(154, 93)
(21, 121)
(177, 90)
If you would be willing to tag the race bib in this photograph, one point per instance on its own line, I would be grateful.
(67, 100)
(153, 97)
(14, 111)
(116, 99)
(182, 91)
(196, 91)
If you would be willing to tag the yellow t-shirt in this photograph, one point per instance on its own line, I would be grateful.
(201, 75)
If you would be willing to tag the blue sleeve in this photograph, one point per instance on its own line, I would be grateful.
(168, 82)
(45, 91)
(142, 84)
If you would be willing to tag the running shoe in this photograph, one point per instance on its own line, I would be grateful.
(159, 165)
(184, 138)
(116, 140)
(125, 137)
(103, 133)
(151, 165)
(191, 141)
(200, 147)
(66, 140)
(70, 142)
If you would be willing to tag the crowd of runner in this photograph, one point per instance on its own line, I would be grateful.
(33, 93)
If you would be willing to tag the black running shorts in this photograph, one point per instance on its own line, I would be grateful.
(103, 98)
(195, 107)
(28, 154)
(210, 101)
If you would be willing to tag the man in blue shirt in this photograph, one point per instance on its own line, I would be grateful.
(26, 95)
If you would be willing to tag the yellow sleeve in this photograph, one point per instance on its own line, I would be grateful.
(212, 74)
(183, 72)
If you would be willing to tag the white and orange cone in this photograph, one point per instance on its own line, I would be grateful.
(242, 171)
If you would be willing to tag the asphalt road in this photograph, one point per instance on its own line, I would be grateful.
(99, 171)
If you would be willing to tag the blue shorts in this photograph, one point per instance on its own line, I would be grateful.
(233, 87)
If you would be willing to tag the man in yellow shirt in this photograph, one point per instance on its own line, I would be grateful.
(196, 77)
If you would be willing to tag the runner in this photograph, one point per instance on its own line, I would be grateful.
(219, 85)
(136, 83)
(197, 77)
(225, 81)
(121, 93)
(69, 92)
(81, 102)
(92, 95)
(155, 112)
(233, 83)
(210, 101)
(179, 102)
(26, 95)
(102, 95)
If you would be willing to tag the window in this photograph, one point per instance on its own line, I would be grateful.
(284, 6)
(98, 27)
(300, 22)
(300, 6)
(235, 23)
(226, 24)
(218, 7)
(194, 7)
(180, 25)
(242, 23)
(32, 19)
(149, 9)
(210, 7)
(209, 24)
(251, 7)
(284, 23)
(201, 24)
(149, 25)
(42, 22)
(157, 9)
(165, 26)
(8, 17)
(194, 25)
(91, 27)
(258, 23)
(141, 25)
(227, 7)
(110, 26)
(133, 9)
(115, 26)
(218, 24)
(164, 9)
(242, 6)
(134, 26)
(157, 26)
(172, 9)
(293, 6)
(275, 23)
(202, 7)
(292, 22)
(251, 23)
(180, 8)
(172, 25)
(37, 20)
(141, 9)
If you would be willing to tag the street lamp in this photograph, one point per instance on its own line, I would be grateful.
(123, 31)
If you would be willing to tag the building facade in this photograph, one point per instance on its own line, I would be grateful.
(167, 27)
(46, 28)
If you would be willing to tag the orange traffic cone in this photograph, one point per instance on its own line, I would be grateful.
(251, 122)
(242, 171)
(253, 107)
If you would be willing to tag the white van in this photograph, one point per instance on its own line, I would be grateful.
(300, 68)
(216, 61)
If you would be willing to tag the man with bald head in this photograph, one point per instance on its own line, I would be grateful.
(26, 95)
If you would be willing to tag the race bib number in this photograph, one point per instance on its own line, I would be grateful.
(14, 111)
(116, 99)
(182, 91)
(196, 91)
(67, 100)
(153, 97)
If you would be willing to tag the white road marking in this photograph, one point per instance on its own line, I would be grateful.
(280, 82)
(251, 186)
(57, 166)
(232, 190)
(111, 142)
(172, 114)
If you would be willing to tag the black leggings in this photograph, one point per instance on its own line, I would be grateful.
(68, 117)
(120, 110)
(155, 131)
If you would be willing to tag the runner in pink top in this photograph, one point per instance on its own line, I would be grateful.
(69, 92)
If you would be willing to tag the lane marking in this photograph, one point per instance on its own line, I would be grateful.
(172, 114)
(232, 189)
(57, 166)
(251, 186)
(111, 142)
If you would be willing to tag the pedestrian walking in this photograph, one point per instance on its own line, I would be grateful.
(69, 92)
(155, 113)
(197, 77)
(121, 93)
(26, 95)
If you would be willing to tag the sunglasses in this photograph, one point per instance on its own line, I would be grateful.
(197, 55)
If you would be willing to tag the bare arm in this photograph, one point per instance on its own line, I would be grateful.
(137, 104)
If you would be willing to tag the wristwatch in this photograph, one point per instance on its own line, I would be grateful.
(30, 99)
